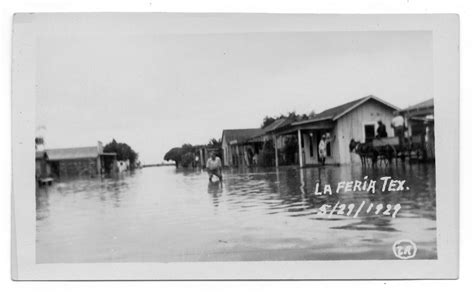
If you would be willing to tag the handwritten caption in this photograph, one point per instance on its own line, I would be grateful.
(384, 184)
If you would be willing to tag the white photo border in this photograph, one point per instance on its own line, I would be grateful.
(27, 27)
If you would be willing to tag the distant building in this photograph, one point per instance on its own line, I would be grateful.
(235, 145)
(268, 136)
(419, 119)
(203, 152)
(80, 161)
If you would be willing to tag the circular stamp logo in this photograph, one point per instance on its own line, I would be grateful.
(404, 249)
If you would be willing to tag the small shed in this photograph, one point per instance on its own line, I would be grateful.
(80, 161)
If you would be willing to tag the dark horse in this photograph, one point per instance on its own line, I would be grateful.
(367, 152)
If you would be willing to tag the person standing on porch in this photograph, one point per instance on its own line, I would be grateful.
(255, 159)
(322, 149)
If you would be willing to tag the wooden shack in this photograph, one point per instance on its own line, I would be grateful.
(80, 161)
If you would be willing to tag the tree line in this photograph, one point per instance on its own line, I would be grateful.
(268, 120)
(123, 151)
(185, 155)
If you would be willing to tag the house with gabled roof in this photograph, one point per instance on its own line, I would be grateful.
(355, 120)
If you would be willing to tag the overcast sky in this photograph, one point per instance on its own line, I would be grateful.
(157, 92)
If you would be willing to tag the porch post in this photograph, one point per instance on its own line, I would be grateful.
(276, 150)
(99, 166)
(300, 152)
(201, 155)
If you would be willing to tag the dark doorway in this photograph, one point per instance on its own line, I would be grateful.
(55, 169)
(369, 131)
(311, 144)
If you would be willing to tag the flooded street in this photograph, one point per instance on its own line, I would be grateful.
(161, 214)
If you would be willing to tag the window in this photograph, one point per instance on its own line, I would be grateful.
(311, 151)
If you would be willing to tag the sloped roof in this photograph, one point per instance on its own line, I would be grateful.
(72, 153)
(337, 112)
(425, 104)
(277, 124)
(240, 135)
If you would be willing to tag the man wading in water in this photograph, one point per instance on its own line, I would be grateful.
(214, 167)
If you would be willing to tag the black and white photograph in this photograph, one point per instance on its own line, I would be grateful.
(238, 146)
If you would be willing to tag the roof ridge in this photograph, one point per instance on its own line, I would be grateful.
(334, 113)
(64, 148)
(241, 129)
(347, 103)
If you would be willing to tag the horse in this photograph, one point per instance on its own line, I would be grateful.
(365, 151)
(386, 153)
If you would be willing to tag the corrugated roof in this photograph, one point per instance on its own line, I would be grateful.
(72, 153)
(240, 135)
(338, 111)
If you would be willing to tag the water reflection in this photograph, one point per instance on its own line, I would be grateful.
(215, 190)
(164, 214)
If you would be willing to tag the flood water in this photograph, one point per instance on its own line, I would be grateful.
(161, 214)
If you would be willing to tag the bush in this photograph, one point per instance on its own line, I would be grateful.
(123, 152)
(174, 154)
(183, 155)
(187, 159)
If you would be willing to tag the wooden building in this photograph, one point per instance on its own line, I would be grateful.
(269, 138)
(80, 161)
(420, 123)
(353, 120)
(356, 120)
(235, 146)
